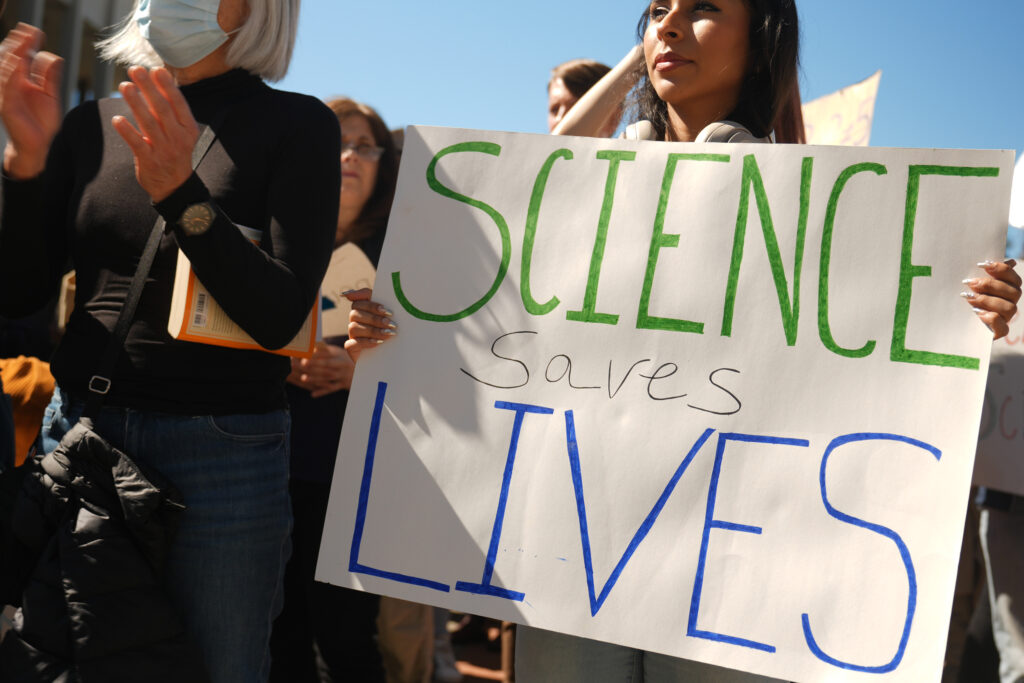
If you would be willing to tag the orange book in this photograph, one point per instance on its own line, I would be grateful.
(197, 317)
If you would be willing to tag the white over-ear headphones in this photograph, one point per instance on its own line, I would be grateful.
(728, 131)
(719, 131)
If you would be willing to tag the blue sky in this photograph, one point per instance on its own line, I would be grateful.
(952, 72)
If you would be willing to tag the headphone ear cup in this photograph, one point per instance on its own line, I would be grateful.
(641, 130)
(728, 131)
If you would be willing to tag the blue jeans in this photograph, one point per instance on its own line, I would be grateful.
(550, 657)
(227, 561)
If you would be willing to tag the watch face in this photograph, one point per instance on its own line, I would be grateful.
(197, 219)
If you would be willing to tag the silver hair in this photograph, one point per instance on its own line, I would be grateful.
(263, 45)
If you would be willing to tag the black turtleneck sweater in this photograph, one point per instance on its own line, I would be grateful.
(274, 167)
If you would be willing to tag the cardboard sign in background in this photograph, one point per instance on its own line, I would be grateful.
(845, 116)
(1000, 462)
(717, 401)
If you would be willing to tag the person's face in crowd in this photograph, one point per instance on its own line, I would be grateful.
(358, 171)
(560, 100)
(697, 52)
(231, 14)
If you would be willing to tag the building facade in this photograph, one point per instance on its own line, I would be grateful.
(72, 28)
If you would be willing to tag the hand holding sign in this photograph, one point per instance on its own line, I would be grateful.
(995, 297)
(370, 323)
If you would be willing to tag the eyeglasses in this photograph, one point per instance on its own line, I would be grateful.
(363, 150)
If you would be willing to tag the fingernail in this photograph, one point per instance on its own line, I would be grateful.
(347, 292)
(969, 281)
(986, 264)
(385, 312)
(968, 295)
(392, 326)
(388, 333)
(377, 341)
(979, 311)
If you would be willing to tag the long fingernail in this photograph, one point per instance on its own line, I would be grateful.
(979, 311)
(388, 333)
(392, 326)
(347, 292)
(969, 281)
(385, 312)
(968, 295)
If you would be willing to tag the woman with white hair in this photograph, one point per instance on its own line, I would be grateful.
(212, 420)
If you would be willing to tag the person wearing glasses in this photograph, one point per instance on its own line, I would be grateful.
(339, 622)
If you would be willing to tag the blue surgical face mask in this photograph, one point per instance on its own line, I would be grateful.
(182, 32)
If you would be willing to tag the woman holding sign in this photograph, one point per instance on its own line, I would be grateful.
(713, 71)
(212, 420)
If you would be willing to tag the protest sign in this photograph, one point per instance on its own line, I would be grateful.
(843, 117)
(1017, 195)
(1000, 462)
(715, 401)
(349, 269)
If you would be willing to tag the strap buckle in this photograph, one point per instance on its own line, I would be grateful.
(99, 385)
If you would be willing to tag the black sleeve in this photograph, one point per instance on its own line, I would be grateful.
(34, 245)
(269, 293)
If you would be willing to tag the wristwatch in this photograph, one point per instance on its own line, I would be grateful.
(197, 218)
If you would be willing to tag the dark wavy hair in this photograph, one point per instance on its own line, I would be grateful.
(373, 217)
(770, 93)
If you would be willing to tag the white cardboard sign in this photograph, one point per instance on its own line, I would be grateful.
(1017, 195)
(716, 401)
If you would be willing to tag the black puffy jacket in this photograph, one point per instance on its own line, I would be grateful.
(93, 529)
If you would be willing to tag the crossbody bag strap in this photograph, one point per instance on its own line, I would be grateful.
(100, 383)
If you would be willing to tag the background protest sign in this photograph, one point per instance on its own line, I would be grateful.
(1000, 462)
(1017, 195)
(717, 401)
(843, 117)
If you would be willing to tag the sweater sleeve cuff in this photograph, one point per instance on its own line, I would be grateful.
(27, 186)
(192, 191)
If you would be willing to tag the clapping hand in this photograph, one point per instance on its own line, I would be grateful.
(29, 101)
(166, 133)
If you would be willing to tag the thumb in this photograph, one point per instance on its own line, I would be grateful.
(352, 347)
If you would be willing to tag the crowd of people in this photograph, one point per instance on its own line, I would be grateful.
(242, 442)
